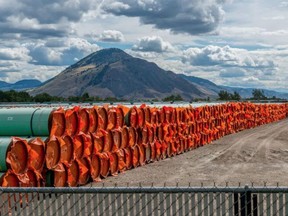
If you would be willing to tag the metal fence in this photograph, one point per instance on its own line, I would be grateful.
(144, 201)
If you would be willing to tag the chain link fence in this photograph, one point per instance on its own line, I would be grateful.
(145, 201)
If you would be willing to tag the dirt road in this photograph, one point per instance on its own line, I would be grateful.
(257, 155)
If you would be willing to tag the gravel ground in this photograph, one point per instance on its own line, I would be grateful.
(252, 156)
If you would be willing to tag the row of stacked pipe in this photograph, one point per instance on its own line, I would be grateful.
(86, 144)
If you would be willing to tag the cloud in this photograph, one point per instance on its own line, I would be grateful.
(111, 36)
(76, 49)
(232, 72)
(17, 27)
(17, 53)
(247, 82)
(8, 67)
(62, 52)
(152, 44)
(225, 57)
(47, 12)
(149, 56)
(39, 19)
(284, 4)
(28, 71)
(250, 79)
(44, 56)
(4, 64)
(179, 16)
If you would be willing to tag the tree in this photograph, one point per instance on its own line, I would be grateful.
(236, 96)
(258, 94)
(173, 98)
(224, 95)
(14, 96)
(85, 96)
(43, 97)
(73, 98)
(4, 97)
(23, 97)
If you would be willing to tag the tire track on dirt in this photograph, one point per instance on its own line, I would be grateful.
(260, 151)
(228, 153)
(255, 154)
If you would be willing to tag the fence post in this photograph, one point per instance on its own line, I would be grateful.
(246, 203)
(236, 204)
(243, 203)
(255, 205)
(249, 201)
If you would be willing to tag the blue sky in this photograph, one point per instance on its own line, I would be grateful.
(237, 43)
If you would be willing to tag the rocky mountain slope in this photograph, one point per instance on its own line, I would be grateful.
(114, 73)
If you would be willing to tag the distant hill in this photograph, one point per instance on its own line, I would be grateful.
(247, 92)
(215, 89)
(114, 73)
(205, 85)
(21, 85)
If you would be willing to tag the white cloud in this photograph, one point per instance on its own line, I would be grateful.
(153, 44)
(16, 53)
(224, 56)
(250, 79)
(150, 56)
(116, 6)
(284, 4)
(111, 36)
(64, 52)
(81, 45)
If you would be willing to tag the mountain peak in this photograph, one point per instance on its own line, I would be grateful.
(104, 56)
(114, 73)
(109, 51)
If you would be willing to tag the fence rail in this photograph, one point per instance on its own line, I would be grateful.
(145, 201)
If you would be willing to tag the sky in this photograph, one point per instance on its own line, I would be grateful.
(239, 43)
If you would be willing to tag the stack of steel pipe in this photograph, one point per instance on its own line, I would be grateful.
(23, 133)
(73, 146)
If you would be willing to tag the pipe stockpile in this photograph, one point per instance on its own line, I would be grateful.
(90, 143)
(24, 161)
(27, 121)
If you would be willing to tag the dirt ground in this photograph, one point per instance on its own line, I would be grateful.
(252, 156)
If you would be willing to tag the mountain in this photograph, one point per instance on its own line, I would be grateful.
(114, 73)
(4, 84)
(20, 85)
(247, 92)
(213, 89)
(205, 85)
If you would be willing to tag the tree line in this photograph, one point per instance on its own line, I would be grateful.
(257, 94)
(21, 96)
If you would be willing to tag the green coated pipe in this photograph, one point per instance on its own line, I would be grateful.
(16, 121)
(49, 179)
(4, 143)
(41, 122)
(25, 121)
(1, 179)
